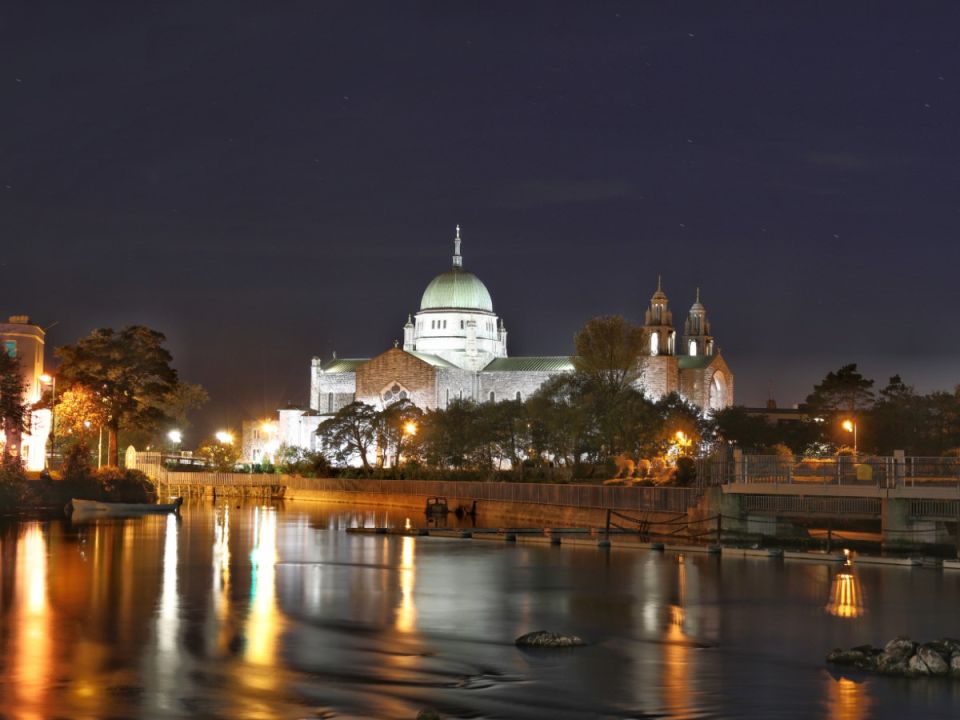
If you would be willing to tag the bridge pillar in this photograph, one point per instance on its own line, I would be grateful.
(900, 530)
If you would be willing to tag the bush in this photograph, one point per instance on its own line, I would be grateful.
(130, 486)
(13, 487)
(76, 462)
(686, 471)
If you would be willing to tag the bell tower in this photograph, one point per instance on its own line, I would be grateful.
(658, 329)
(696, 331)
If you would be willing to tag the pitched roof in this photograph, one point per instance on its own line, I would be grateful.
(339, 365)
(434, 360)
(694, 362)
(560, 363)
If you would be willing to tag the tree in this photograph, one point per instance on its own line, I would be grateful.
(129, 369)
(79, 412)
(13, 410)
(562, 428)
(399, 427)
(845, 390)
(898, 418)
(503, 432)
(351, 433)
(222, 457)
(608, 350)
(180, 400)
(680, 416)
(450, 435)
(750, 432)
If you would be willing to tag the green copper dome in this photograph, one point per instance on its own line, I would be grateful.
(458, 289)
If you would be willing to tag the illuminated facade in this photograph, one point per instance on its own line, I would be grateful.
(455, 347)
(24, 340)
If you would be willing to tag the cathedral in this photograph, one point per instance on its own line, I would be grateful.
(455, 347)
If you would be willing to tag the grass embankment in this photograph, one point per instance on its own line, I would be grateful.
(24, 493)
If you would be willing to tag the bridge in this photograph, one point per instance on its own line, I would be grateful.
(916, 499)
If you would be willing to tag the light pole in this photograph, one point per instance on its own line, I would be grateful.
(175, 437)
(851, 426)
(51, 380)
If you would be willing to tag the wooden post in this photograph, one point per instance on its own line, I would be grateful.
(829, 534)
(719, 527)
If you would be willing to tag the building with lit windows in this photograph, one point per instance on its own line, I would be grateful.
(24, 340)
(455, 347)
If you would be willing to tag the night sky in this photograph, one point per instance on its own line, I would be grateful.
(265, 182)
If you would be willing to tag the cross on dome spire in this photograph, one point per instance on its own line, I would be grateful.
(457, 257)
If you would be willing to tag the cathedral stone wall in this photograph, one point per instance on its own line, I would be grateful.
(659, 376)
(332, 391)
(506, 384)
(695, 385)
(455, 383)
(395, 366)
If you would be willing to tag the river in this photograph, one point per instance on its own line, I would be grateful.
(247, 611)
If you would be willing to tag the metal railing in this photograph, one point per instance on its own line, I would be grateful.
(866, 471)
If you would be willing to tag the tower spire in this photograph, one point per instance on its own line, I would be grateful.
(457, 257)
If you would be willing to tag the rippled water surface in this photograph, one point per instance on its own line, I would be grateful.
(263, 612)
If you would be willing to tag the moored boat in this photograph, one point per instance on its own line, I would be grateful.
(116, 508)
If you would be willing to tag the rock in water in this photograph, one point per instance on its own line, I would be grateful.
(428, 714)
(863, 657)
(901, 646)
(933, 660)
(542, 638)
(917, 666)
(955, 666)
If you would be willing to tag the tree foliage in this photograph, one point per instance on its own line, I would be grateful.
(13, 409)
(220, 457)
(130, 370)
(844, 390)
(608, 351)
(350, 434)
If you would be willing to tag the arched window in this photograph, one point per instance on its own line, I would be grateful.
(448, 398)
(518, 395)
(329, 402)
(493, 396)
(654, 343)
(718, 391)
(393, 393)
(693, 347)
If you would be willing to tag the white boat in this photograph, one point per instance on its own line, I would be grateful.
(116, 508)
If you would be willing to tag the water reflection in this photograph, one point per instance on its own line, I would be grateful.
(847, 700)
(846, 597)
(677, 653)
(32, 663)
(200, 618)
(407, 611)
(264, 623)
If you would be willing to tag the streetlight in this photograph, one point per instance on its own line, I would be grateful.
(224, 438)
(271, 446)
(175, 437)
(851, 426)
(410, 428)
(51, 380)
